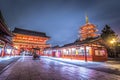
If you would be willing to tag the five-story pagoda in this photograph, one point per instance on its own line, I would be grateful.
(87, 31)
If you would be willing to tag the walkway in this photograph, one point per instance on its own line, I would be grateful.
(46, 69)
(110, 66)
(5, 61)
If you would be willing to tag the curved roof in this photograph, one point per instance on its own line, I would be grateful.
(29, 32)
(88, 24)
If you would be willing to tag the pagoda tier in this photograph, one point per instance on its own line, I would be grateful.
(87, 31)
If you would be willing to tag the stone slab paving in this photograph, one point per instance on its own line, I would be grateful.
(5, 61)
(46, 69)
(110, 66)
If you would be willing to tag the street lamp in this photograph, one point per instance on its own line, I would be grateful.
(113, 42)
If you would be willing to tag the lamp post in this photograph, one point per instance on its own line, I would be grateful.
(113, 42)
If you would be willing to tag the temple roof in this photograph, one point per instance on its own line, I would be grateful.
(87, 41)
(87, 25)
(3, 27)
(1, 17)
(69, 44)
(29, 32)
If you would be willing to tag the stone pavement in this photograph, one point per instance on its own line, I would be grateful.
(5, 61)
(46, 69)
(110, 66)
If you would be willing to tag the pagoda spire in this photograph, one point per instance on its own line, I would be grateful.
(86, 19)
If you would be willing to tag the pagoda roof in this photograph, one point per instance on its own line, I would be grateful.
(29, 32)
(87, 24)
(89, 40)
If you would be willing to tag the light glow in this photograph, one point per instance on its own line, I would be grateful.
(112, 41)
(8, 51)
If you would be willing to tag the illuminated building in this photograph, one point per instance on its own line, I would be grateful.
(5, 38)
(27, 40)
(88, 47)
(88, 30)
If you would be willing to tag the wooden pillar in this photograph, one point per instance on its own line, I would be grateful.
(85, 54)
(62, 53)
(76, 51)
(39, 52)
(71, 52)
(11, 51)
(3, 51)
(106, 55)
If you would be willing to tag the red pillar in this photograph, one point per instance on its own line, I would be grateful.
(3, 51)
(39, 52)
(71, 53)
(11, 52)
(62, 54)
(85, 54)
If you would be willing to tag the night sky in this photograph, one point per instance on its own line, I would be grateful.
(60, 19)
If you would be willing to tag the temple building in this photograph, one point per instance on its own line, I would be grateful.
(27, 40)
(5, 38)
(88, 47)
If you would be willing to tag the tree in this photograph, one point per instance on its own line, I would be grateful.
(109, 37)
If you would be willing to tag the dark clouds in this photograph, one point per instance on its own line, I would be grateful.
(60, 19)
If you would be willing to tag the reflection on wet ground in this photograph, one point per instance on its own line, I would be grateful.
(46, 69)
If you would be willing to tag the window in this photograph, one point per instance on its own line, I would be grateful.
(73, 51)
(99, 52)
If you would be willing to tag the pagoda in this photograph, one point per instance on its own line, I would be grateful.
(87, 31)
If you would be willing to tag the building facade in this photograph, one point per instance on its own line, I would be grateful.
(88, 30)
(27, 40)
(5, 38)
(88, 50)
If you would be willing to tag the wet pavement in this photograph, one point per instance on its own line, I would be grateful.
(46, 69)
(6, 61)
(110, 66)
